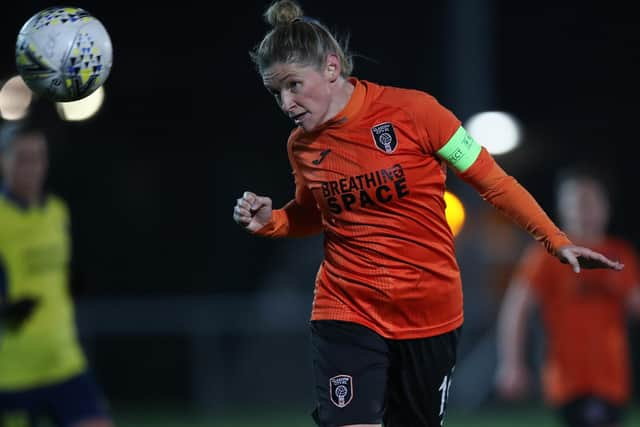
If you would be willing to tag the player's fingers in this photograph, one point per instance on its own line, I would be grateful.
(241, 211)
(259, 202)
(586, 252)
(572, 260)
(618, 265)
(243, 203)
(249, 197)
(592, 259)
(601, 263)
(241, 215)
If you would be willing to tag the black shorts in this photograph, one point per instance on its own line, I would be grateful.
(363, 378)
(66, 403)
(590, 411)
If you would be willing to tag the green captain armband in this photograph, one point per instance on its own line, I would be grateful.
(460, 151)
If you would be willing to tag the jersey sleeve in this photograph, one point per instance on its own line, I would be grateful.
(435, 123)
(443, 135)
(506, 194)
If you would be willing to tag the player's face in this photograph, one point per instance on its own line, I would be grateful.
(24, 165)
(584, 207)
(302, 92)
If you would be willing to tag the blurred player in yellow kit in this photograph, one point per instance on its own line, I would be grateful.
(43, 371)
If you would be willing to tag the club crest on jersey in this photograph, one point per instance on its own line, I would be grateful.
(341, 390)
(385, 137)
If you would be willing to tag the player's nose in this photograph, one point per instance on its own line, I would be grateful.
(288, 103)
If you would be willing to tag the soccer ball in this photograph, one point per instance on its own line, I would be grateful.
(63, 53)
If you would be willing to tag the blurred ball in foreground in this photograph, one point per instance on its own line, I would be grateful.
(63, 53)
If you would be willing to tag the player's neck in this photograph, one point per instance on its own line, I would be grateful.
(342, 96)
(24, 198)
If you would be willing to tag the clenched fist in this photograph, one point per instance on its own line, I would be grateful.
(252, 211)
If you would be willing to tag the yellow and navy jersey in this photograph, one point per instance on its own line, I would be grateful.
(35, 252)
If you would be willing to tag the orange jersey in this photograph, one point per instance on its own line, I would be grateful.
(373, 179)
(584, 322)
(389, 254)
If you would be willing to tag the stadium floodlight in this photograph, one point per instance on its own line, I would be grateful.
(497, 131)
(15, 99)
(82, 109)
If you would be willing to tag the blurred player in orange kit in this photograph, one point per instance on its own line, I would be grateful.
(370, 164)
(586, 372)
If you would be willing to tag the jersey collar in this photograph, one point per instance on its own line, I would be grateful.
(354, 104)
(17, 201)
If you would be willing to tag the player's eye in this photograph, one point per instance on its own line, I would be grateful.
(295, 85)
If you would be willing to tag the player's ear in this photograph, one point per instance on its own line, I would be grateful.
(332, 67)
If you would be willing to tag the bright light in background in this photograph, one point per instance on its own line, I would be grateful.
(454, 212)
(15, 98)
(81, 109)
(499, 132)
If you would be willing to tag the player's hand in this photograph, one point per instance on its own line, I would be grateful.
(16, 313)
(252, 211)
(579, 257)
(513, 382)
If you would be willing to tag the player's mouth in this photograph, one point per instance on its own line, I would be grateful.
(297, 119)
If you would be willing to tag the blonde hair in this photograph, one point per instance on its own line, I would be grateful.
(298, 39)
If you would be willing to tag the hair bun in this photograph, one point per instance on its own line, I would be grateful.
(283, 12)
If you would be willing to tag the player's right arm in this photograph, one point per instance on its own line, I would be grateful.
(512, 375)
(253, 212)
(300, 217)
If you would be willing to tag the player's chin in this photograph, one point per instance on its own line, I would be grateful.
(305, 127)
(307, 123)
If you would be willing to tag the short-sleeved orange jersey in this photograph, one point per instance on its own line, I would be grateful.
(389, 253)
(585, 323)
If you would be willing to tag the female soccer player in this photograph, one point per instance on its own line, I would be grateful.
(586, 376)
(370, 165)
(43, 371)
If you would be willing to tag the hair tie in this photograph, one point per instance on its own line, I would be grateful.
(307, 19)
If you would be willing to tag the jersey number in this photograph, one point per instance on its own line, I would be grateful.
(444, 388)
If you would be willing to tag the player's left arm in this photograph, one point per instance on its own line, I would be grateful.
(473, 164)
